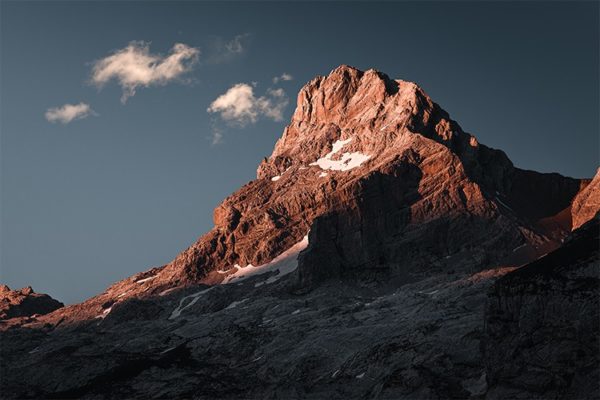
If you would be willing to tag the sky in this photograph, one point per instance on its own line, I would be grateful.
(123, 124)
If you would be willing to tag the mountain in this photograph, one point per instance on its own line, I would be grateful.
(352, 266)
(24, 303)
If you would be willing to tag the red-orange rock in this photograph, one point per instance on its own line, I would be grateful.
(587, 202)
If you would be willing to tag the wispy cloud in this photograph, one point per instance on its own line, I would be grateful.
(223, 50)
(134, 66)
(239, 106)
(236, 45)
(217, 136)
(69, 112)
(283, 77)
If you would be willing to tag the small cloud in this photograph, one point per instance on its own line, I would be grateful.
(68, 113)
(223, 50)
(236, 45)
(217, 136)
(283, 77)
(134, 66)
(239, 106)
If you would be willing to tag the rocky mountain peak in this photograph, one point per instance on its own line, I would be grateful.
(370, 180)
(367, 112)
(24, 303)
(362, 146)
(330, 98)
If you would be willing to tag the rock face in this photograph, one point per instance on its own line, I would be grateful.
(542, 332)
(587, 202)
(25, 303)
(356, 265)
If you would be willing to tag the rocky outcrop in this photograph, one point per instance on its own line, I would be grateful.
(542, 332)
(24, 303)
(587, 202)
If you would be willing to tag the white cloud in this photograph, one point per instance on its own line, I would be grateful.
(283, 77)
(239, 105)
(68, 113)
(135, 66)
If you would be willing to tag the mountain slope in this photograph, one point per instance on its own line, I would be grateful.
(542, 328)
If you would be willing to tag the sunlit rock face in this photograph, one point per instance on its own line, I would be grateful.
(25, 303)
(356, 265)
(587, 202)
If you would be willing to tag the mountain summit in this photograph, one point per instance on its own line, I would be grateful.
(382, 179)
(352, 266)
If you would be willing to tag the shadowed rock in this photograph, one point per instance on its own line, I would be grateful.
(542, 331)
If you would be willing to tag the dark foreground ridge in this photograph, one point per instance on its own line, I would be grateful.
(358, 264)
(542, 327)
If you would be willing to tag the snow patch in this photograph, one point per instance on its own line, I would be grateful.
(296, 312)
(360, 376)
(347, 162)
(164, 292)
(195, 297)
(146, 279)
(519, 247)
(375, 300)
(169, 349)
(104, 313)
(284, 263)
(236, 303)
(429, 293)
(323, 174)
(503, 203)
(276, 178)
(389, 123)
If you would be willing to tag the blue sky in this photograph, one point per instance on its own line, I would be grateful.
(99, 198)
